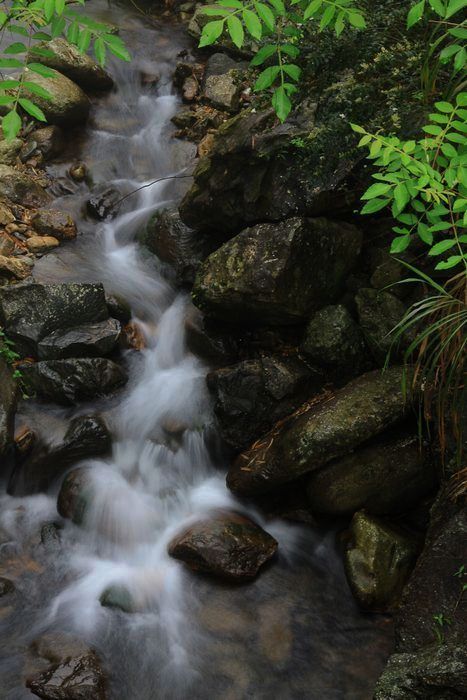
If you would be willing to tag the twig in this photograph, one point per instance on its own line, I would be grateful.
(149, 184)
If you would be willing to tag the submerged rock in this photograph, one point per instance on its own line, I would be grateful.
(227, 546)
(103, 202)
(361, 410)
(73, 380)
(378, 562)
(277, 273)
(8, 398)
(68, 104)
(73, 678)
(77, 66)
(6, 587)
(90, 339)
(52, 222)
(19, 187)
(388, 477)
(252, 395)
(75, 495)
(86, 436)
(118, 597)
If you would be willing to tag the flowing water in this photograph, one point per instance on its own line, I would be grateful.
(294, 632)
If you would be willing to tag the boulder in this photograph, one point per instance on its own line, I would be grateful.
(88, 340)
(73, 678)
(41, 244)
(277, 273)
(14, 268)
(52, 222)
(390, 476)
(334, 341)
(74, 495)
(21, 188)
(9, 151)
(77, 66)
(332, 428)
(379, 313)
(435, 673)
(227, 546)
(378, 562)
(86, 436)
(205, 339)
(8, 397)
(30, 312)
(73, 380)
(68, 105)
(251, 396)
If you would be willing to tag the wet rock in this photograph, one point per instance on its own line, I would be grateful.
(378, 562)
(194, 123)
(277, 273)
(50, 535)
(175, 244)
(103, 203)
(389, 477)
(133, 337)
(186, 69)
(228, 546)
(21, 188)
(74, 495)
(205, 339)
(118, 597)
(86, 436)
(25, 439)
(6, 587)
(78, 67)
(74, 678)
(118, 308)
(334, 341)
(73, 380)
(68, 105)
(9, 151)
(52, 222)
(78, 172)
(190, 89)
(41, 244)
(223, 91)
(436, 672)
(14, 268)
(29, 312)
(361, 410)
(89, 340)
(50, 140)
(379, 313)
(252, 395)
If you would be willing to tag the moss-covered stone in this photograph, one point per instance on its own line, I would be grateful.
(379, 313)
(68, 104)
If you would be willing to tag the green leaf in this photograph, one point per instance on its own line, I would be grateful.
(279, 7)
(6, 100)
(84, 41)
(266, 15)
(214, 11)
(442, 246)
(292, 70)
(42, 70)
(326, 19)
(11, 125)
(211, 32)
(59, 6)
(49, 9)
(312, 9)
(236, 32)
(432, 129)
(450, 262)
(266, 78)
(32, 109)
(339, 24)
(253, 24)
(438, 7)
(99, 51)
(357, 20)
(37, 90)
(445, 107)
(9, 84)
(401, 196)
(263, 54)
(415, 14)
(448, 150)
(460, 59)
(10, 63)
(453, 7)
(116, 46)
(375, 205)
(281, 103)
(376, 190)
(290, 50)
(17, 47)
(400, 244)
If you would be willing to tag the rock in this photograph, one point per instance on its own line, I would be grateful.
(118, 308)
(86, 436)
(89, 340)
(74, 495)
(277, 273)
(378, 562)
(221, 63)
(77, 66)
(133, 337)
(52, 222)
(9, 151)
(41, 244)
(7, 246)
(205, 339)
(50, 140)
(436, 672)
(228, 546)
(74, 678)
(379, 313)
(190, 89)
(68, 105)
(175, 244)
(205, 145)
(14, 268)
(387, 273)
(6, 587)
(118, 597)
(73, 380)
(78, 172)
(186, 69)
(25, 439)
(389, 477)
(21, 188)
(30, 312)
(50, 535)
(363, 409)
(251, 396)
(223, 91)
(334, 341)
(103, 203)
(6, 214)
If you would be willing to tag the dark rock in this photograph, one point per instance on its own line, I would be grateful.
(74, 678)
(21, 188)
(378, 562)
(86, 436)
(6, 587)
(206, 340)
(228, 546)
(221, 63)
(434, 673)
(103, 203)
(118, 597)
(29, 312)
(52, 222)
(388, 477)
(77, 66)
(334, 341)
(251, 396)
(74, 495)
(186, 69)
(91, 339)
(8, 398)
(277, 273)
(68, 104)
(379, 313)
(118, 308)
(363, 409)
(25, 439)
(50, 140)
(9, 151)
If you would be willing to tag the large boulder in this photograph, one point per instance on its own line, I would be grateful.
(361, 410)
(277, 273)
(86, 436)
(8, 398)
(252, 395)
(68, 104)
(378, 562)
(21, 188)
(388, 477)
(30, 312)
(90, 339)
(73, 380)
(77, 66)
(228, 546)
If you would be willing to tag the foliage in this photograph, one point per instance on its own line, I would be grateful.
(279, 25)
(37, 23)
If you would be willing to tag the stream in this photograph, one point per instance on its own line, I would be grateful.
(295, 632)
